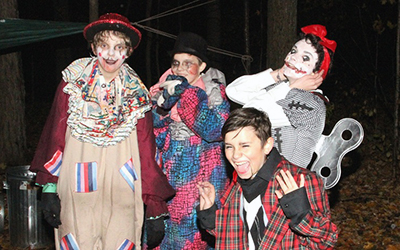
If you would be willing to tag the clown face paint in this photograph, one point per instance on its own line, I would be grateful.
(300, 61)
(187, 65)
(111, 54)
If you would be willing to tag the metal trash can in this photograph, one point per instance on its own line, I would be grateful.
(27, 227)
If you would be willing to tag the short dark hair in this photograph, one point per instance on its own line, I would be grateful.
(248, 117)
(315, 42)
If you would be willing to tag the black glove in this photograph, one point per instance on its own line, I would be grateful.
(51, 208)
(155, 232)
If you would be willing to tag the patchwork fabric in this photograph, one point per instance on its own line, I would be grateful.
(86, 177)
(158, 157)
(129, 173)
(68, 242)
(53, 166)
(191, 151)
(127, 245)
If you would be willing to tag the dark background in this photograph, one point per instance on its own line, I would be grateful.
(365, 54)
(361, 83)
(365, 203)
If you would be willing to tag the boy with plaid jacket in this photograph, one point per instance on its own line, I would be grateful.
(271, 203)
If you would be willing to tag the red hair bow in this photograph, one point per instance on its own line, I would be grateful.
(320, 31)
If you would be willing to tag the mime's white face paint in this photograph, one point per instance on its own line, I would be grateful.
(300, 61)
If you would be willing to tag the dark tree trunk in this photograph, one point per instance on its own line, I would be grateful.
(214, 30)
(12, 100)
(281, 31)
(93, 10)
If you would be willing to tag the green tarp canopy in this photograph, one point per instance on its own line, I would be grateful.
(17, 32)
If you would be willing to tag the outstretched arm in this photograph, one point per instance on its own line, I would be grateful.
(245, 88)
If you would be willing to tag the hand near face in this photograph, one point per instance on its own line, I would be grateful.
(207, 194)
(287, 183)
(278, 75)
(170, 85)
(308, 82)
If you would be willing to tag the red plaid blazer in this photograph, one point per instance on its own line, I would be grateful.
(315, 231)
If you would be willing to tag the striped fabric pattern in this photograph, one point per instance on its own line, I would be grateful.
(128, 172)
(53, 166)
(127, 245)
(68, 242)
(86, 177)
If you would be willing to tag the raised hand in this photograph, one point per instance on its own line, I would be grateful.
(207, 194)
(169, 85)
(308, 82)
(287, 183)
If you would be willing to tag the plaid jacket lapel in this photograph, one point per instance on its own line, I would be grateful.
(229, 225)
(278, 225)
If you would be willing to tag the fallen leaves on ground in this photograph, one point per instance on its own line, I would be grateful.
(366, 206)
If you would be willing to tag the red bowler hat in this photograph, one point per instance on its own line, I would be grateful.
(113, 21)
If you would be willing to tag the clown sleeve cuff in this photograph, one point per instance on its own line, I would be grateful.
(50, 188)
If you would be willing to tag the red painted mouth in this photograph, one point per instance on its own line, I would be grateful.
(294, 68)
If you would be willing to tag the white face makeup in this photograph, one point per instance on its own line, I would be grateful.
(111, 54)
(300, 61)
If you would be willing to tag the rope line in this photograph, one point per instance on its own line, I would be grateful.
(210, 48)
(246, 59)
(175, 10)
